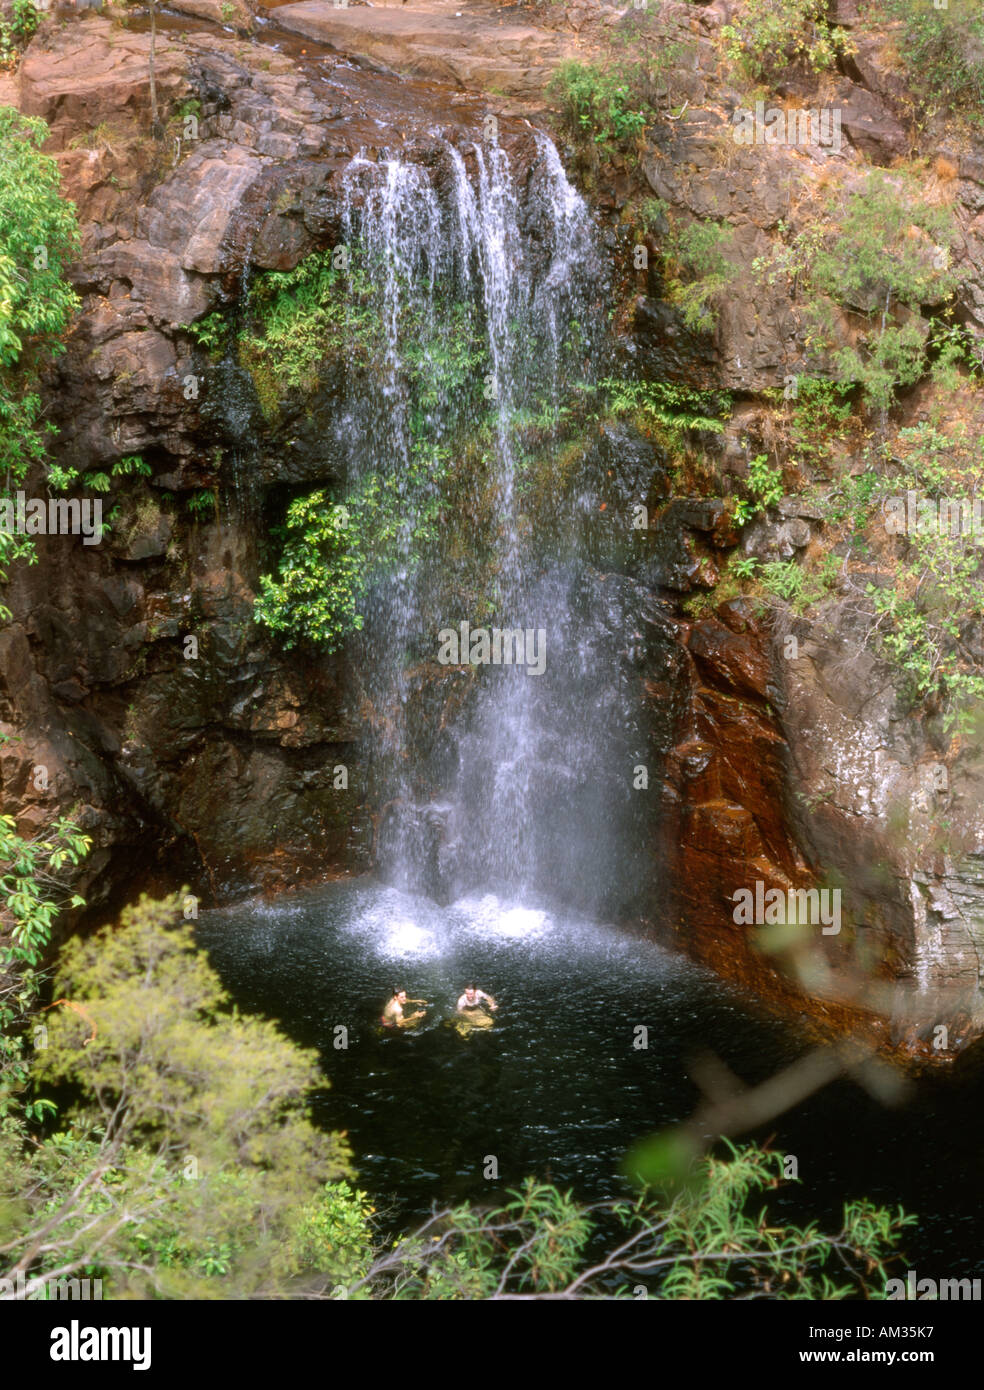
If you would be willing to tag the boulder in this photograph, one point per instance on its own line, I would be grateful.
(476, 47)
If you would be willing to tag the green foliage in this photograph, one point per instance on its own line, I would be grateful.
(297, 319)
(938, 595)
(654, 214)
(942, 51)
(766, 487)
(895, 357)
(212, 334)
(189, 106)
(444, 368)
(700, 1242)
(531, 1243)
(35, 299)
(24, 434)
(62, 478)
(17, 32)
(131, 465)
(607, 105)
(203, 503)
(765, 37)
(714, 1247)
(698, 270)
(25, 19)
(744, 566)
(874, 263)
(919, 622)
(956, 353)
(785, 579)
(332, 551)
(676, 408)
(799, 585)
(793, 584)
(597, 102)
(882, 255)
(320, 581)
(188, 1168)
(820, 418)
(38, 237)
(187, 1070)
(188, 1119)
(854, 499)
(670, 413)
(33, 892)
(332, 1234)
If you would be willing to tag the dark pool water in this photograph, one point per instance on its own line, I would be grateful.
(556, 1088)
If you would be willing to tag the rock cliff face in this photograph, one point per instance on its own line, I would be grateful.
(192, 747)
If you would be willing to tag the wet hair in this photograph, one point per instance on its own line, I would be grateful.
(399, 989)
(471, 985)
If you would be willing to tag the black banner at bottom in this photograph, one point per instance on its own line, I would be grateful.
(68, 1339)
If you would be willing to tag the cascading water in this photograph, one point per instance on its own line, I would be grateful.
(489, 292)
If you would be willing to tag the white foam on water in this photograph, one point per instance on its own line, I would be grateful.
(391, 922)
(406, 939)
(493, 919)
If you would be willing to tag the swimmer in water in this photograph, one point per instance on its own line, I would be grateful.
(393, 1015)
(473, 999)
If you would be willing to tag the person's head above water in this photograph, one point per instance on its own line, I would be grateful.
(470, 990)
(400, 993)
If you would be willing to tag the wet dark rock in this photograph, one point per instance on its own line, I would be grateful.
(628, 467)
(669, 351)
(736, 660)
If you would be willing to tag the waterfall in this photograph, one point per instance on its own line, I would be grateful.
(487, 280)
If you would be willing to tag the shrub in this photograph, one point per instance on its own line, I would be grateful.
(705, 1241)
(188, 1160)
(942, 51)
(767, 36)
(677, 408)
(607, 105)
(188, 1168)
(33, 889)
(332, 551)
(38, 237)
(882, 255)
(298, 318)
(938, 596)
(766, 488)
(17, 31)
(320, 580)
(820, 418)
(597, 103)
(698, 270)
